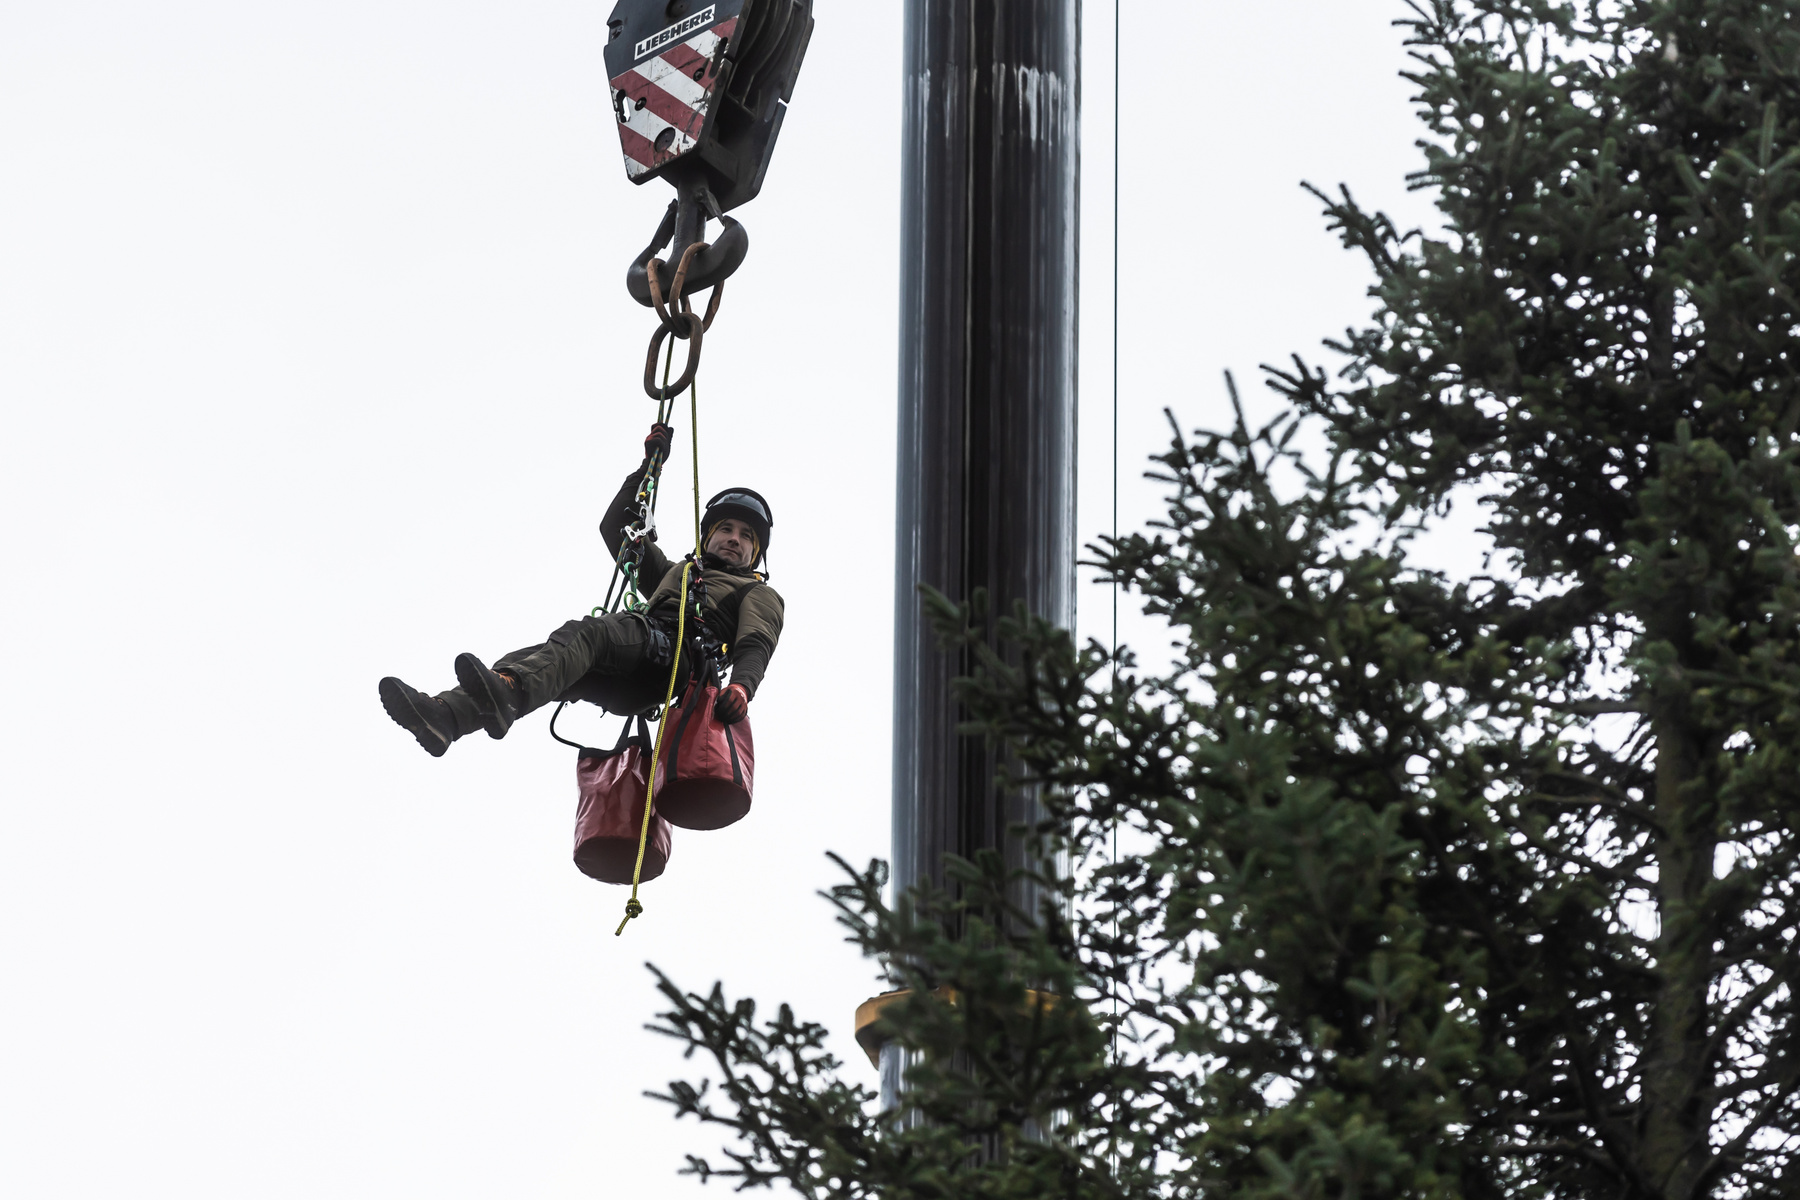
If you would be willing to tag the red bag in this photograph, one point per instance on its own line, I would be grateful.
(611, 814)
(706, 765)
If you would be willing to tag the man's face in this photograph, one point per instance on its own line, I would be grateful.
(732, 540)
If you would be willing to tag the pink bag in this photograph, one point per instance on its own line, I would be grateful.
(707, 766)
(611, 813)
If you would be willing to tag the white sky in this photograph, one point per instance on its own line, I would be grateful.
(316, 366)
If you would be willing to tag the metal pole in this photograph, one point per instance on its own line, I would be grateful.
(989, 259)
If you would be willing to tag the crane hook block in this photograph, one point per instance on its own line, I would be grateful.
(700, 89)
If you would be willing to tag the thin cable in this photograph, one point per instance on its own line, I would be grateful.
(1115, 342)
(1117, 5)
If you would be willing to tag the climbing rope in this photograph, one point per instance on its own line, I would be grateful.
(634, 909)
(665, 397)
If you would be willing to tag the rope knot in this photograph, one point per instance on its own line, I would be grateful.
(633, 910)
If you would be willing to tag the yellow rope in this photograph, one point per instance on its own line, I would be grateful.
(694, 427)
(633, 909)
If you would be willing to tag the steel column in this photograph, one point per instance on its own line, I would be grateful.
(989, 259)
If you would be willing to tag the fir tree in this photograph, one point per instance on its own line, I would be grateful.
(1447, 887)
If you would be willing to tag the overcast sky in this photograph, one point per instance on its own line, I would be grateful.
(316, 366)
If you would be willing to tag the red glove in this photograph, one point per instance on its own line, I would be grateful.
(660, 439)
(733, 704)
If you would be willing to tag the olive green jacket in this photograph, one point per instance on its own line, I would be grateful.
(739, 607)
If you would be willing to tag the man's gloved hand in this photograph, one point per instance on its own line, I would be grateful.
(733, 704)
(661, 438)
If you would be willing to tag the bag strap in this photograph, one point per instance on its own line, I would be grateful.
(626, 740)
(585, 751)
(687, 714)
(690, 704)
(737, 768)
(705, 668)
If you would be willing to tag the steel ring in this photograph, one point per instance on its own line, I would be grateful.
(696, 330)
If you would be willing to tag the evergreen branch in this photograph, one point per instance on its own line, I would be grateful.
(1618, 1152)
(1574, 1118)
(1732, 1154)
(1721, 679)
(1637, 812)
(1581, 861)
(1595, 708)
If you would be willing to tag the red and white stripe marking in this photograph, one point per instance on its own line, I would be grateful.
(670, 91)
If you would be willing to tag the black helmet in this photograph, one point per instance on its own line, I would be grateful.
(746, 506)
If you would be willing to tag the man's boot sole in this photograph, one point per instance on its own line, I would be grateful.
(473, 676)
(396, 698)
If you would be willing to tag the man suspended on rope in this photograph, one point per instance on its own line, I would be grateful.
(622, 660)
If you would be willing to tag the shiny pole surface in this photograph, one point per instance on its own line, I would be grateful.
(989, 260)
